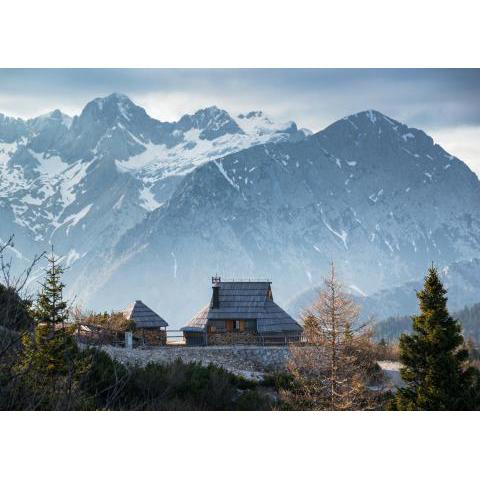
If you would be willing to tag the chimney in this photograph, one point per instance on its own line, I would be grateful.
(216, 292)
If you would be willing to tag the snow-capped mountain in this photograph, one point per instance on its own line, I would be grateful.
(147, 209)
(81, 182)
(380, 199)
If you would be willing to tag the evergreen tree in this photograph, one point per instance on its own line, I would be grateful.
(435, 363)
(51, 309)
(50, 361)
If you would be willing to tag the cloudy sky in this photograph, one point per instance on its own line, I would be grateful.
(444, 103)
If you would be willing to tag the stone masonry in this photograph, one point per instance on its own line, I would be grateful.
(247, 360)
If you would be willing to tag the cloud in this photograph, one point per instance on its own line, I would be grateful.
(432, 96)
(463, 142)
(444, 101)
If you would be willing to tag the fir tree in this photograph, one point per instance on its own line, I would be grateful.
(435, 363)
(51, 309)
(50, 362)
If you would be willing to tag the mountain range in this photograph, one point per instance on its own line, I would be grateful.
(141, 208)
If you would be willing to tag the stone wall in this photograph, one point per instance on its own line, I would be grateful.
(151, 336)
(247, 360)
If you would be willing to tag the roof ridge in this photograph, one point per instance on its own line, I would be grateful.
(142, 314)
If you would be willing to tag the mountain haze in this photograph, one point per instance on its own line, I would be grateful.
(380, 199)
(147, 209)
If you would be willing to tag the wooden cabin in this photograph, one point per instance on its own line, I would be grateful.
(150, 328)
(241, 312)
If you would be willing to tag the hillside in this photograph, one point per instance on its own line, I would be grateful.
(469, 317)
(380, 199)
(80, 183)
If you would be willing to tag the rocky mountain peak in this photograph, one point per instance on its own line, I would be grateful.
(11, 129)
(112, 109)
(55, 118)
(213, 122)
(367, 121)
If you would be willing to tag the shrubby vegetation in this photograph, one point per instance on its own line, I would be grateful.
(42, 367)
(175, 386)
(14, 310)
(114, 321)
(92, 380)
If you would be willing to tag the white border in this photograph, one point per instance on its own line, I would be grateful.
(247, 33)
(214, 33)
(239, 445)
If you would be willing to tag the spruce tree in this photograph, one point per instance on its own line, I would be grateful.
(435, 368)
(51, 309)
(50, 358)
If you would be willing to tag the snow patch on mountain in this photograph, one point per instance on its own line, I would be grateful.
(225, 175)
(148, 199)
(84, 181)
(74, 219)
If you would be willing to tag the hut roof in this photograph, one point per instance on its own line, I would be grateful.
(243, 300)
(143, 316)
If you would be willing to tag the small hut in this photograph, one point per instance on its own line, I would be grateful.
(150, 328)
(241, 312)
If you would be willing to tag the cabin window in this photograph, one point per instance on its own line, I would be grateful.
(234, 325)
(215, 326)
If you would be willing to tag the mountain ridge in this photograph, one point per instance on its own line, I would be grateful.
(74, 181)
(150, 209)
(345, 202)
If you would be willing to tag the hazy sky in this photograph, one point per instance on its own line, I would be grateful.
(444, 103)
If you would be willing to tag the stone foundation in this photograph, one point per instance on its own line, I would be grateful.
(233, 338)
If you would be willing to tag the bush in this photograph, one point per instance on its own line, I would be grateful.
(14, 311)
(188, 386)
(104, 381)
(175, 386)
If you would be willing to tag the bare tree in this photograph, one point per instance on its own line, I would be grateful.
(15, 300)
(332, 370)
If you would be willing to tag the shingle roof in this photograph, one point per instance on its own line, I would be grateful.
(246, 300)
(143, 316)
(198, 322)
